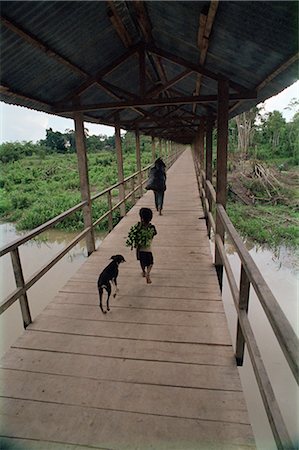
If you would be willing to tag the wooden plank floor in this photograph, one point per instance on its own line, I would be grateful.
(157, 372)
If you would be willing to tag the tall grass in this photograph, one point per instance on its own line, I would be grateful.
(35, 189)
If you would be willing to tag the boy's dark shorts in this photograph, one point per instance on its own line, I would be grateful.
(146, 259)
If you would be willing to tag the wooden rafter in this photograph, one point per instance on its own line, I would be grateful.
(279, 69)
(194, 67)
(155, 91)
(152, 102)
(118, 25)
(205, 28)
(145, 28)
(143, 20)
(37, 43)
(123, 94)
(142, 72)
(97, 78)
(33, 41)
(5, 89)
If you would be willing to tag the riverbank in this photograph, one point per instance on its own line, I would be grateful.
(263, 202)
(262, 199)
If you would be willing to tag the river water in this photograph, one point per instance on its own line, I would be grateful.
(34, 254)
(279, 270)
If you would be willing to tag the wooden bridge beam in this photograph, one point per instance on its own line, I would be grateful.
(201, 139)
(153, 149)
(84, 181)
(209, 163)
(120, 165)
(138, 159)
(222, 140)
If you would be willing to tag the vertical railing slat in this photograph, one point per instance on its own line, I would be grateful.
(18, 272)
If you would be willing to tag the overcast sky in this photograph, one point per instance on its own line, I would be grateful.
(22, 124)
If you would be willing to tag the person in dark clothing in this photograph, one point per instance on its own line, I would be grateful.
(158, 173)
(140, 237)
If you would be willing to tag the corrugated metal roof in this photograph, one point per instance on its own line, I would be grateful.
(53, 51)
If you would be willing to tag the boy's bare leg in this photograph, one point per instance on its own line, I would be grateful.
(148, 280)
(143, 270)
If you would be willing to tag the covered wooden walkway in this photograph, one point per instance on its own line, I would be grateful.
(157, 372)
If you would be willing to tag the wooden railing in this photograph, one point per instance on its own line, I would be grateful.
(136, 181)
(251, 276)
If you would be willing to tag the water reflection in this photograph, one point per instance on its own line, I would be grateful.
(279, 268)
(34, 254)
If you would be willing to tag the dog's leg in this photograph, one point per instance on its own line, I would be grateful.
(116, 288)
(100, 296)
(108, 288)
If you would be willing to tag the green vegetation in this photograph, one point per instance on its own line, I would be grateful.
(271, 225)
(40, 181)
(37, 184)
(263, 194)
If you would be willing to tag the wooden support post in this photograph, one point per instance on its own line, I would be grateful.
(138, 160)
(133, 190)
(153, 149)
(120, 166)
(222, 140)
(196, 147)
(243, 305)
(142, 72)
(18, 272)
(84, 182)
(209, 162)
(201, 143)
(110, 219)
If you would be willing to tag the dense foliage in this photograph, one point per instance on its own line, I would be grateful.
(266, 136)
(36, 185)
(39, 181)
(140, 236)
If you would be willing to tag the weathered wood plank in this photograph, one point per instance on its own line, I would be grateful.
(117, 430)
(125, 370)
(220, 355)
(154, 290)
(157, 372)
(127, 397)
(165, 333)
(144, 302)
(159, 317)
(12, 443)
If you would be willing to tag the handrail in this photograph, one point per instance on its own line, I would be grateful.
(250, 275)
(22, 287)
(285, 334)
(279, 429)
(116, 185)
(36, 231)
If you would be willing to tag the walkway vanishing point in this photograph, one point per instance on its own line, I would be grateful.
(157, 372)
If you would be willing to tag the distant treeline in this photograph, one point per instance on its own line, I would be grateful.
(266, 136)
(55, 142)
(253, 134)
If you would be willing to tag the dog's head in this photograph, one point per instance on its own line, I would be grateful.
(118, 259)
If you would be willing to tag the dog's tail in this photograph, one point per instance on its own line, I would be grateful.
(100, 289)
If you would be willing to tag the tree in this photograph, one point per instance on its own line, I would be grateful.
(274, 133)
(55, 141)
(245, 124)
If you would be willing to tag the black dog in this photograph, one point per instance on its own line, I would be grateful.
(109, 275)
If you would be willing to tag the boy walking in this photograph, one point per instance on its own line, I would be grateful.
(140, 237)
